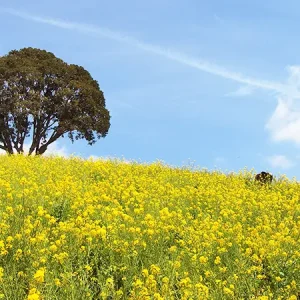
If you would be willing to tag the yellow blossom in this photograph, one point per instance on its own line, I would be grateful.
(217, 260)
(34, 294)
(39, 276)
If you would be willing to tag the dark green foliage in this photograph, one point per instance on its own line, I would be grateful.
(45, 95)
(264, 178)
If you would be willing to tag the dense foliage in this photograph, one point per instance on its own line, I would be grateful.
(78, 229)
(44, 98)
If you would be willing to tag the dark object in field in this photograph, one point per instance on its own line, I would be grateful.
(264, 178)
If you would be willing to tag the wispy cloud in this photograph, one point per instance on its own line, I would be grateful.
(280, 161)
(242, 91)
(151, 48)
(284, 125)
(218, 19)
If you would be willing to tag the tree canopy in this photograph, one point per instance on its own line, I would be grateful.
(43, 97)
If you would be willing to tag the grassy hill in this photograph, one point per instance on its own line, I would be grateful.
(77, 229)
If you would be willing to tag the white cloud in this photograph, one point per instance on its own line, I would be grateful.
(280, 161)
(284, 124)
(53, 149)
(242, 91)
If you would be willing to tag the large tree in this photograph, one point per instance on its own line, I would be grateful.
(44, 98)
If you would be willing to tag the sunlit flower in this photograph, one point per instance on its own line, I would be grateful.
(39, 276)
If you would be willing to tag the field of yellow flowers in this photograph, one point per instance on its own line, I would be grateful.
(83, 229)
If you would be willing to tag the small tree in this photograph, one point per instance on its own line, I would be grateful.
(42, 96)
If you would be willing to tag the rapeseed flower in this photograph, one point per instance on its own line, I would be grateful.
(39, 276)
(92, 228)
(34, 294)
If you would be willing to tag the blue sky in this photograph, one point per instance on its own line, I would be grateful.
(210, 83)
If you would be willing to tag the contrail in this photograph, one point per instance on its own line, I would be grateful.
(169, 54)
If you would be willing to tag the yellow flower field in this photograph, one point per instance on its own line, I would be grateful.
(80, 229)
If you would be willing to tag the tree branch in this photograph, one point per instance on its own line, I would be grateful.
(55, 135)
